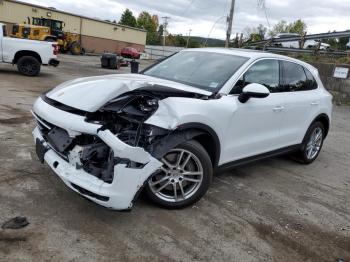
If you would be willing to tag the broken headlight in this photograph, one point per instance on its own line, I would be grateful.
(139, 106)
(134, 107)
(148, 104)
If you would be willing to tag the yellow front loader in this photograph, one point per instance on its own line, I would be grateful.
(67, 42)
(44, 29)
(33, 32)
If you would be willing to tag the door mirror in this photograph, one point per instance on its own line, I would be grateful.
(253, 91)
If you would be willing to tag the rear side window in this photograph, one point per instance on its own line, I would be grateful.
(297, 78)
(312, 84)
(264, 72)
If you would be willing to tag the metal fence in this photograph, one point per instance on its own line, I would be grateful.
(157, 52)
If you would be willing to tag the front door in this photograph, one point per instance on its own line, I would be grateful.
(255, 125)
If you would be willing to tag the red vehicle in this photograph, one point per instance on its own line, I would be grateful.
(130, 52)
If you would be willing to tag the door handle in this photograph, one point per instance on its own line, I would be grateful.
(314, 103)
(278, 108)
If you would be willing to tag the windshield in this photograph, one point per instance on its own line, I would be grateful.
(205, 70)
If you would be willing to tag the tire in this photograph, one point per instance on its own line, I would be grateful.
(194, 160)
(312, 143)
(75, 48)
(28, 66)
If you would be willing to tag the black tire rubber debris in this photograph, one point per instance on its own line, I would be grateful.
(15, 223)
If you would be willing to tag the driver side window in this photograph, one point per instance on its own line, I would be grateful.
(264, 72)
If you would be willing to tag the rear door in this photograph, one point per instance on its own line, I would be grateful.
(301, 101)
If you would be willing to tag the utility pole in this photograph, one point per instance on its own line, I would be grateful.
(188, 38)
(165, 25)
(230, 21)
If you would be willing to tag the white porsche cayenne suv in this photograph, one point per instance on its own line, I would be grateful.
(167, 129)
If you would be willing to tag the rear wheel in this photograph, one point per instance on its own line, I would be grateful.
(75, 48)
(183, 179)
(28, 66)
(312, 143)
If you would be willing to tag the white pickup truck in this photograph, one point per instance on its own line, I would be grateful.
(28, 55)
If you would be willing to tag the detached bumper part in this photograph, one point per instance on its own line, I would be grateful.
(118, 195)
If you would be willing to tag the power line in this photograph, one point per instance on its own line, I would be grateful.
(188, 7)
(212, 28)
(262, 5)
(214, 24)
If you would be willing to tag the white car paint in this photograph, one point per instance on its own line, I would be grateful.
(244, 130)
(107, 87)
(9, 46)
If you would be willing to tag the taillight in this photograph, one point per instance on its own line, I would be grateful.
(55, 49)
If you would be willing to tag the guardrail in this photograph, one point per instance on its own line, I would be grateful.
(306, 37)
(305, 51)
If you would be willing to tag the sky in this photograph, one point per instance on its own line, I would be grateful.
(206, 17)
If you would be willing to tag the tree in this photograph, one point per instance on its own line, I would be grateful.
(342, 43)
(280, 27)
(298, 26)
(262, 31)
(128, 19)
(194, 43)
(176, 40)
(255, 34)
(146, 22)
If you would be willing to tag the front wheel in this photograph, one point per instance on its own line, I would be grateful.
(183, 179)
(28, 66)
(312, 143)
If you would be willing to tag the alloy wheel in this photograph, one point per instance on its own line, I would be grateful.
(315, 142)
(179, 178)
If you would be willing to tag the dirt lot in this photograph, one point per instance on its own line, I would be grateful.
(273, 210)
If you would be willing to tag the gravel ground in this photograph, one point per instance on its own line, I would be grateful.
(272, 210)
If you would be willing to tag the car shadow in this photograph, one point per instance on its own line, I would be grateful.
(14, 72)
(241, 170)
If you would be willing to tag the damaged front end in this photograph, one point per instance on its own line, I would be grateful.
(106, 155)
(123, 118)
